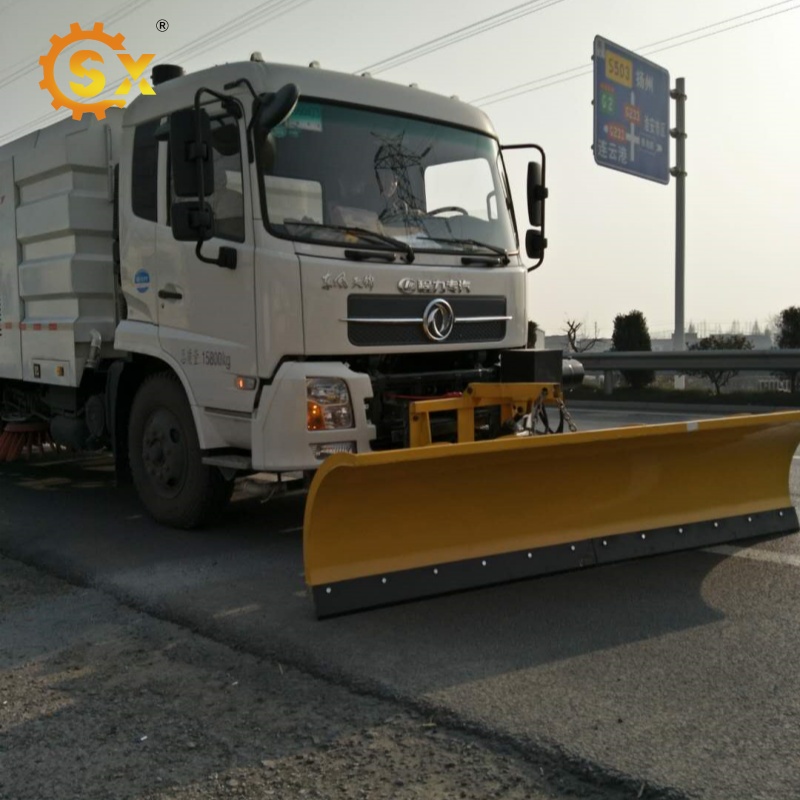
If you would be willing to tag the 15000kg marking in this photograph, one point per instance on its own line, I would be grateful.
(193, 357)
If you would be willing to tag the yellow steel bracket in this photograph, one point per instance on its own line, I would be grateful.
(514, 399)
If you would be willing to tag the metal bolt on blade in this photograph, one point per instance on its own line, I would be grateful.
(435, 571)
(749, 519)
(328, 590)
(680, 530)
(483, 563)
(605, 543)
(644, 536)
(716, 524)
(572, 547)
(530, 555)
(383, 580)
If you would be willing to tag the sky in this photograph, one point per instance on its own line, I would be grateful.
(611, 235)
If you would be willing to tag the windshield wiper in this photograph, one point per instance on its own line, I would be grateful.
(472, 243)
(363, 233)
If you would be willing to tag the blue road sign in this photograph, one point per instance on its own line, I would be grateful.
(631, 112)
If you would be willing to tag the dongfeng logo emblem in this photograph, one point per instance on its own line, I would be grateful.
(438, 320)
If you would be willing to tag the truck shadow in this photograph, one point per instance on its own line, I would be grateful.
(242, 583)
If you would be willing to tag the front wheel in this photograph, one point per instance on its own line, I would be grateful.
(172, 482)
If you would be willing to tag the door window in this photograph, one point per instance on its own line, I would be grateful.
(144, 171)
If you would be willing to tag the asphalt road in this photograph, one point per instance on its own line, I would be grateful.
(678, 672)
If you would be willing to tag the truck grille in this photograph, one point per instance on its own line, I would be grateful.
(379, 317)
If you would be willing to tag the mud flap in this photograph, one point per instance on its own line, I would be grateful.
(385, 527)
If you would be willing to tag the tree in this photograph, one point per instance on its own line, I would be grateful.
(788, 337)
(631, 335)
(720, 341)
(575, 344)
(788, 333)
(533, 330)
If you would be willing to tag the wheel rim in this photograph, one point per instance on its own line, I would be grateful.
(164, 452)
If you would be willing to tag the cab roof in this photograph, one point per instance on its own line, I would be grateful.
(314, 83)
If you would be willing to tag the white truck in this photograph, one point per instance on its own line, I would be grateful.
(257, 267)
(278, 269)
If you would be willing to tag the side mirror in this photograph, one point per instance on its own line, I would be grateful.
(275, 110)
(535, 241)
(190, 153)
(537, 194)
(535, 244)
(190, 223)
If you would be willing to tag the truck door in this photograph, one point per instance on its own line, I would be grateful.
(206, 313)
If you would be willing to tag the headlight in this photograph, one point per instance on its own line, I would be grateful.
(328, 404)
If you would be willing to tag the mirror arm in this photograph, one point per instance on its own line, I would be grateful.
(199, 165)
(537, 264)
(226, 257)
(231, 104)
(233, 107)
(504, 147)
(250, 136)
(200, 256)
(246, 82)
(542, 193)
(241, 82)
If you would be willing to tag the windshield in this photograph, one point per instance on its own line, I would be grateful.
(433, 187)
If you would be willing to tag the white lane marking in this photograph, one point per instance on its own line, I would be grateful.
(755, 555)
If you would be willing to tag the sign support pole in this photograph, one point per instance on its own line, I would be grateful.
(678, 94)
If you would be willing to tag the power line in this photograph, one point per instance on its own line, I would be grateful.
(579, 71)
(459, 35)
(720, 22)
(232, 29)
(195, 46)
(9, 76)
(583, 69)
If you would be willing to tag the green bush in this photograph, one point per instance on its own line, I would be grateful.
(631, 335)
(788, 334)
(788, 338)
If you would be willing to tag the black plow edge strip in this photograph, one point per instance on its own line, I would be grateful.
(396, 587)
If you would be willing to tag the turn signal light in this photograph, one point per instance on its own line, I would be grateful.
(245, 383)
(315, 419)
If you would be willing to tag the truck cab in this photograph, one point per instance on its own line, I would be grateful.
(373, 237)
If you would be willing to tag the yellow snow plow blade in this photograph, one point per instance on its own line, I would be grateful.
(390, 526)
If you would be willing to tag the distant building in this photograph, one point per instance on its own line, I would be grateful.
(560, 342)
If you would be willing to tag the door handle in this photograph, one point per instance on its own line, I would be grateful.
(167, 294)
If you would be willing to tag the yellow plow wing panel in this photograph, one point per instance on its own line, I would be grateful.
(388, 526)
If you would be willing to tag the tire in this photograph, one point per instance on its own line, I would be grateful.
(176, 488)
